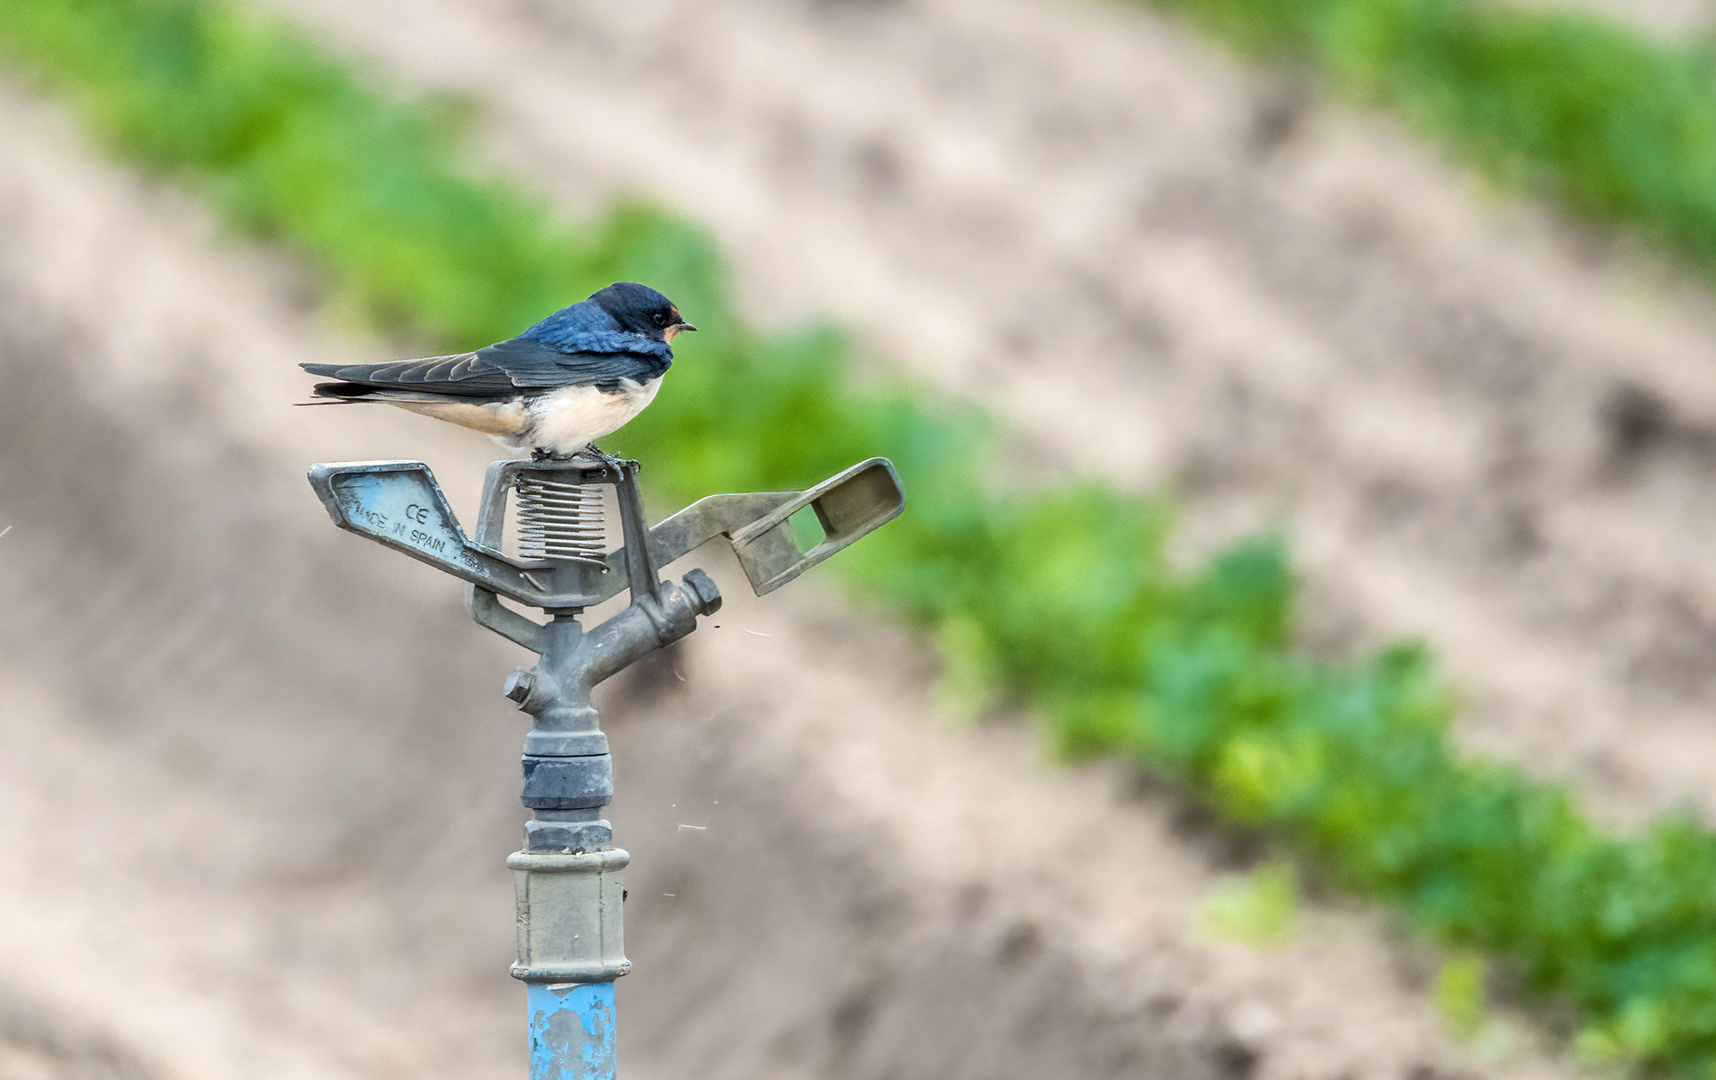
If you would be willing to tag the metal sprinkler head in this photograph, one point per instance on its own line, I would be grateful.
(568, 875)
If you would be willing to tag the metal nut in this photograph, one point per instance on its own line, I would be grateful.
(703, 587)
(519, 685)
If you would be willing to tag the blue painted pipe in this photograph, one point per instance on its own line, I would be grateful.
(571, 1031)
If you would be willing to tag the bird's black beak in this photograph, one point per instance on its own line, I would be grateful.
(684, 326)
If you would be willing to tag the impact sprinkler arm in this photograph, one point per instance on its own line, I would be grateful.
(568, 875)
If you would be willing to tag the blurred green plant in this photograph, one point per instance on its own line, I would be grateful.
(1460, 996)
(1259, 909)
(1063, 600)
(1617, 128)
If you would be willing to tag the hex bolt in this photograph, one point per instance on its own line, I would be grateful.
(519, 685)
(703, 587)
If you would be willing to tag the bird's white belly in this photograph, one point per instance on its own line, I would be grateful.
(567, 420)
(502, 419)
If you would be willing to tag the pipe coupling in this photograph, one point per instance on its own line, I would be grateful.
(569, 916)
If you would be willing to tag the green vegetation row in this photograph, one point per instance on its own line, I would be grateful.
(1616, 127)
(1060, 599)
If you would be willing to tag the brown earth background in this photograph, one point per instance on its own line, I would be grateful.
(257, 782)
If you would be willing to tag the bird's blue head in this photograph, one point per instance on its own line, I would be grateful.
(641, 310)
(614, 318)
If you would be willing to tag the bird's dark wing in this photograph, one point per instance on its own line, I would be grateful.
(498, 372)
(464, 375)
(530, 363)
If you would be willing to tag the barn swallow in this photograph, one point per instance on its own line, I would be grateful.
(576, 376)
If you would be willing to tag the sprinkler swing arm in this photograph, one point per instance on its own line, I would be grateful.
(400, 505)
(568, 875)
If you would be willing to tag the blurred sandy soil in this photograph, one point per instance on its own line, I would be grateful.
(255, 778)
(1670, 20)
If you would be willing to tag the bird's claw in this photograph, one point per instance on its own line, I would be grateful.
(618, 465)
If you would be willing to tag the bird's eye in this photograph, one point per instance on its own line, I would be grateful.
(659, 318)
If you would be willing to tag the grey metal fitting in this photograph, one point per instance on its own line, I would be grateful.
(518, 686)
(558, 837)
(567, 783)
(703, 588)
(569, 925)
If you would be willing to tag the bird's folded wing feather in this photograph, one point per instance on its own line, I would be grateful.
(499, 371)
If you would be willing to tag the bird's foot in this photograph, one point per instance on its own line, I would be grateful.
(618, 465)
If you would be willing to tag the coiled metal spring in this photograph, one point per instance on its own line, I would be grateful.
(558, 520)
